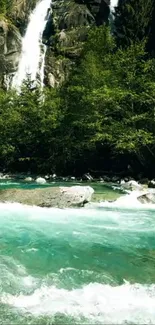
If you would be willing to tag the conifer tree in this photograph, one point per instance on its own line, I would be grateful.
(5, 6)
(132, 21)
(2, 6)
(151, 40)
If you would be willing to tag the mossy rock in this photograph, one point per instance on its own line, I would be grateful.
(66, 32)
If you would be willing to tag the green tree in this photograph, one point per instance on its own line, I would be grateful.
(110, 103)
(5, 6)
(132, 21)
(2, 6)
(102, 117)
(28, 124)
(151, 43)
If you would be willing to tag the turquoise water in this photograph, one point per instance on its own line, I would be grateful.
(16, 183)
(77, 266)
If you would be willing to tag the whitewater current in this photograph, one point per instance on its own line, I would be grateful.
(93, 265)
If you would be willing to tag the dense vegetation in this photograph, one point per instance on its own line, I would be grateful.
(5, 6)
(102, 118)
(132, 21)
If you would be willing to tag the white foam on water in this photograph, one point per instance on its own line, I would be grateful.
(85, 225)
(32, 249)
(28, 281)
(82, 222)
(7, 183)
(14, 275)
(67, 269)
(97, 302)
(128, 201)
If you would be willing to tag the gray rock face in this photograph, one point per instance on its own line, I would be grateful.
(65, 33)
(20, 12)
(10, 49)
(147, 198)
(59, 197)
(132, 185)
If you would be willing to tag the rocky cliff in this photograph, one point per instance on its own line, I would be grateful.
(66, 32)
(64, 35)
(10, 48)
(20, 12)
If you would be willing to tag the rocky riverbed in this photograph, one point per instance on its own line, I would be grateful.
(58, 197)
(69, 192)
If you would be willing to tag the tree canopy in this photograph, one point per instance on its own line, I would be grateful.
(103, 115)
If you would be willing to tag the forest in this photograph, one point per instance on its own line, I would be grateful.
(101, 119)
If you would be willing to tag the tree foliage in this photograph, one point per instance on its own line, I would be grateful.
(151, 43)
(101, 118)
(5, 6)
(110, 100)
(132, 21)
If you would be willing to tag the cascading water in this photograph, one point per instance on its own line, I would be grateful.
(33, 57)
(113, 4)
(42, 66)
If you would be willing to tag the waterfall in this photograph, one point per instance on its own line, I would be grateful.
(42, 66)
(113, 4)
(33, 55)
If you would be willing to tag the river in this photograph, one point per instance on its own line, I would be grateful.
(93, 265)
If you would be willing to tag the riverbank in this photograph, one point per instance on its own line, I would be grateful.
(18, 189)
(87, 177)
(70, 193)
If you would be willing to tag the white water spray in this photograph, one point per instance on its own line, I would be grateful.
(113, 4)
(33, 56)
(42, 66)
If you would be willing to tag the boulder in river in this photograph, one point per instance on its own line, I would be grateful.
(151, 184)
(132, 185)
(148, 197)
(87, 177)
(4, 176)
(41, 180)
(47, 177)
(28, 179)
(59, 197)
